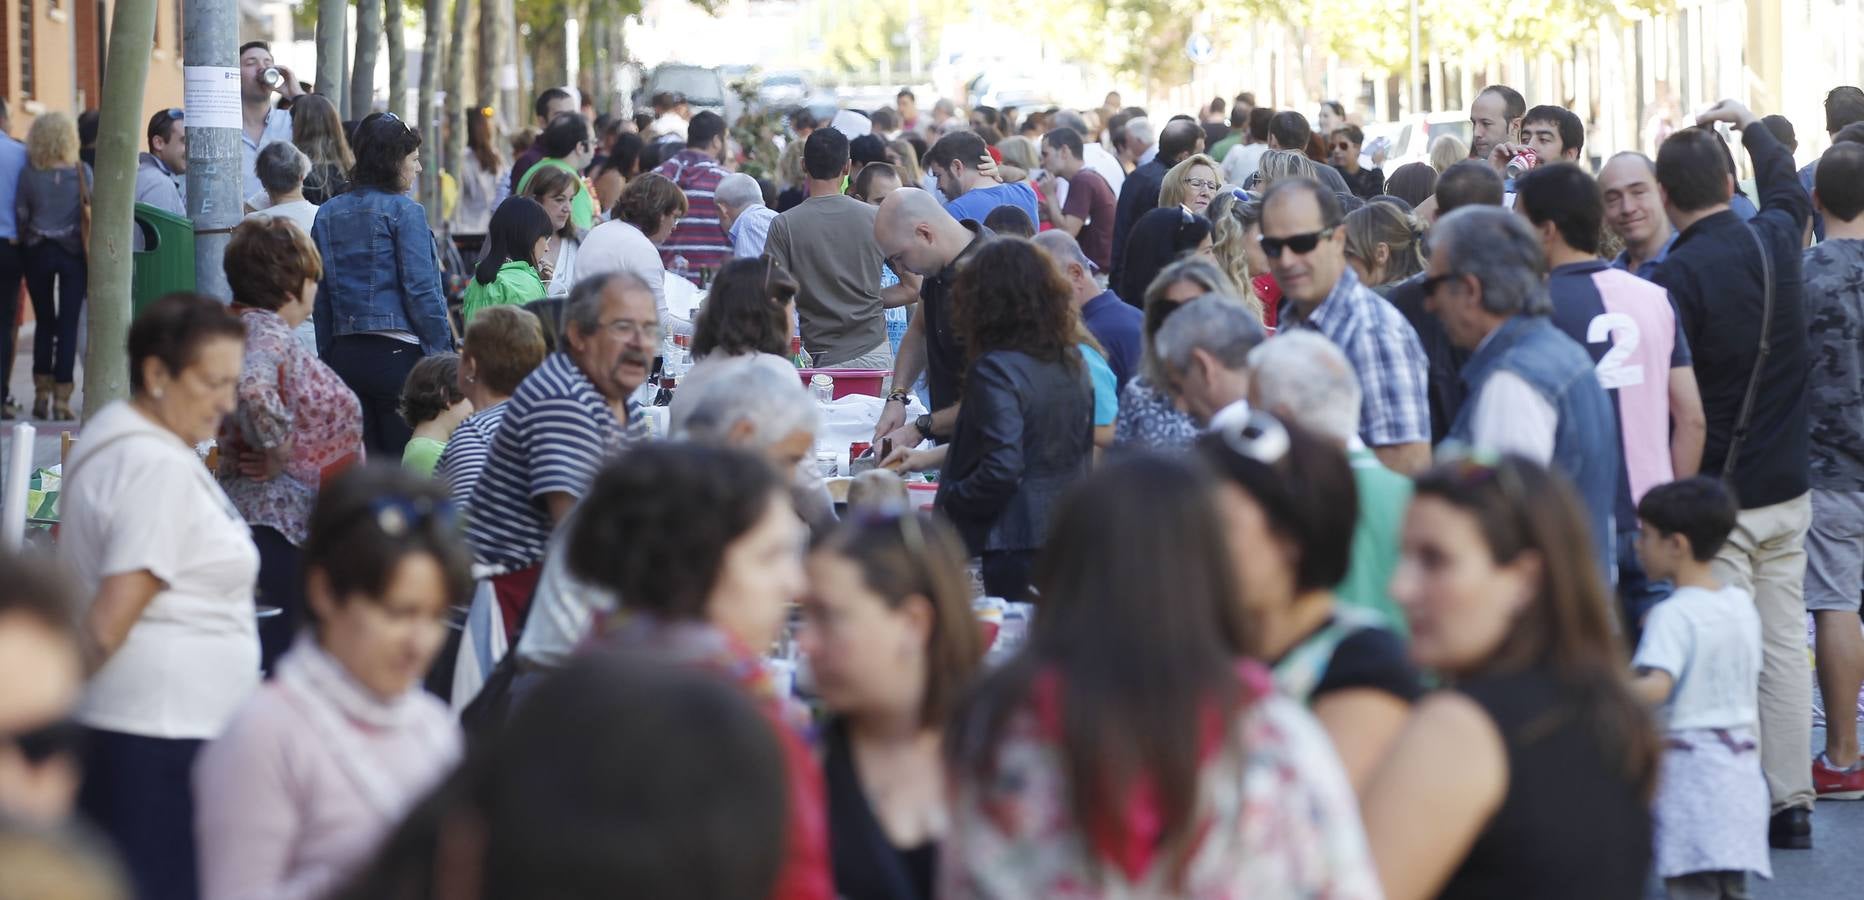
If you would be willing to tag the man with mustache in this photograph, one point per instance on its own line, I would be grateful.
(568, 417)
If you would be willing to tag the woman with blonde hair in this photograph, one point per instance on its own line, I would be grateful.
(1447, 150)
(1191, 184)
(318, 131)
(1279, 164)
(53, 207)
(1383, 245)
(905, 158)
(1231, 216)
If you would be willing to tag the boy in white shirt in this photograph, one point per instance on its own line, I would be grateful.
(1699, 663)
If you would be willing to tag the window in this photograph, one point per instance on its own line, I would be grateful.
(26, 13)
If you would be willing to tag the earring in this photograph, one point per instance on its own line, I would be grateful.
(156, 393)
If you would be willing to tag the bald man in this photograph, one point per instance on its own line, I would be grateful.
(918, 236)
(1634, 212)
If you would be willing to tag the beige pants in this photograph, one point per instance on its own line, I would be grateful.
(1766, 556)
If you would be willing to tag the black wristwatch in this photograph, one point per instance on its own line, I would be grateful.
(923, 425)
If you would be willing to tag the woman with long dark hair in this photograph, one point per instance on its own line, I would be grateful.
(317, 129)
(1537, 762)
(1027, 432)
(482, 177)
(1129, 750)
(381, 307)
(507, 274)
(750, 311)
(1160, 237)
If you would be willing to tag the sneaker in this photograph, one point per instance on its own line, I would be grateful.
(1790, 829)
(1837, 784)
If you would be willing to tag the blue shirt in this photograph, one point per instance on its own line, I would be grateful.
(978, 202)
(750, 231)
(1106, 393)
(1648, 266)
(1117, 326)
(1384, 351)
(12, 160)
(277, 128)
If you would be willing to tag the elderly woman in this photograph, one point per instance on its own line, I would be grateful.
(168, 568)
(1148, 418)
(1191, 184)
(54, 198)
(382, 309)
(502, 346)
(281, 168)
(328, 756)
(751, 404)
(297, 421)
(628, 241)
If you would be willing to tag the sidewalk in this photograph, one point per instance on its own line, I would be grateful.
(45, 443)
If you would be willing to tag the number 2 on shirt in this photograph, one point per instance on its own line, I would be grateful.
(1622, 331)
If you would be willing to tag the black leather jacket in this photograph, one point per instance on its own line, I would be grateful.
(1025, 434)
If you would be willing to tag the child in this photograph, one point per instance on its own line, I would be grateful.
(1699, 661)
(516, 239)
(432, 404)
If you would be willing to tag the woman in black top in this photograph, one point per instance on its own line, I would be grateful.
(891, 642)
(1537, 765)
(1289, 501)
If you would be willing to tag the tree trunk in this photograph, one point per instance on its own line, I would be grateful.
(368, 43)
(397, 59)
(493, 50)
(456, 84)
(433, 15)
(119, 130)
(332, 35)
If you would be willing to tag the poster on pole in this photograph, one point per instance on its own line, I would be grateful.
(211, 96)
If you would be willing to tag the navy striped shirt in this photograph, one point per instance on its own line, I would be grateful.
(463, 461)
(557, 432)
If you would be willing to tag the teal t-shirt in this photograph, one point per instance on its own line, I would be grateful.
(1106, 387)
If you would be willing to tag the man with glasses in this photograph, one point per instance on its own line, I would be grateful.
(1343, 151)
(1306, 249)
(261, 123)
(568, 145)
(44, 674)
(569, 416)
(1532, 390)
(699, 236)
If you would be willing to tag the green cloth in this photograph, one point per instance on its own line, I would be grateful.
(517, 283)
(1222, 148)
(582, 207)
(421, 455)
(1383, 497)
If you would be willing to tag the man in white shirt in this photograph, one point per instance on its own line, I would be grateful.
(1204, 351)
(261, 123)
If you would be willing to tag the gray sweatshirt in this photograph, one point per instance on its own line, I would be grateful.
(47, 205)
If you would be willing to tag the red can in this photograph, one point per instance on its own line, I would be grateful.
(859, 449)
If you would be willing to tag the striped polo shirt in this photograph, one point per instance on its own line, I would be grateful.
(463, 461)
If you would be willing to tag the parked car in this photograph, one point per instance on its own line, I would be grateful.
(702, 86)
(1412, 135)
(783, 90)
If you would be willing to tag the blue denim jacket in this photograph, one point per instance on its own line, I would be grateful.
(380, 272)
(1585, 442)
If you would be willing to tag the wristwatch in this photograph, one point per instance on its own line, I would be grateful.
(923, 425)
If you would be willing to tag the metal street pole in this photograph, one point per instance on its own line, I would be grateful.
(210, 53)
(1413, 61)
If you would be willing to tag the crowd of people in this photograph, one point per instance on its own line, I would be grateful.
(1332, 496)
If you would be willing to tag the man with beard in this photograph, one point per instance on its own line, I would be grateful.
(568, 417)
(1494, 118)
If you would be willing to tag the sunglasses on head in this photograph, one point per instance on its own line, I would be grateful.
(1300, 243)
(1258, 436)
(37, 745)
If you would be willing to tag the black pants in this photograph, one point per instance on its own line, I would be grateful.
(55, 338)
(11, 271)
(1006, 573)
(137, 791)
(375, 367)
(281, 585)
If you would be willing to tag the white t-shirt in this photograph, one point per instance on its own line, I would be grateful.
(618, 246)
(302, 213)
(563, 271)
(1242, 162)
(1709, 641)
(136, 498)
(1512, 417)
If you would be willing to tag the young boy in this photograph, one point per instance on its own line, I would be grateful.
(1699, 662)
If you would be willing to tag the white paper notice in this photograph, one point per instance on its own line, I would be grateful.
(212, 96)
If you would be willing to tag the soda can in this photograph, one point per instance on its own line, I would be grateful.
(272, 77)
(1523, 162)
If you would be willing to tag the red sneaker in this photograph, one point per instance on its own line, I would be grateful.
(1837, 784)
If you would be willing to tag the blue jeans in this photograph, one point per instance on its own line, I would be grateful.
(375, 367)
(137, 792)
(1637, 593)
(55, 337)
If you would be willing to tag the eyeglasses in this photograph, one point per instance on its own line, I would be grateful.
(628, 328)
(37, 745)
(1342, 147)
(1258, 436)
(1299, 243)
(1201, 184)
(1434, 282)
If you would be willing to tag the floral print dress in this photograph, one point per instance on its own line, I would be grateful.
(286, 396)
(1276, 818)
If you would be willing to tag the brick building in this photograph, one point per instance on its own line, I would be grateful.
(52, 54)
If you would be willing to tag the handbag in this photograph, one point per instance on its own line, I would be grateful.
(1742, 420)
(84, 210)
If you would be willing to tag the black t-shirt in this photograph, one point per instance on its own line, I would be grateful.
(1371, 658)
(1447, 390)
(944, 344)
(866, 865)
(1365, 184)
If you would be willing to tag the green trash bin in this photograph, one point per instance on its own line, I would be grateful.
(166, 262)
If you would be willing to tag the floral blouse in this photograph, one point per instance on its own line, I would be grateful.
(286, 395)
(1276, 818)
(1148, 419)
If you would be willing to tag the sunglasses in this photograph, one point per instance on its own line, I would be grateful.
(37, 745)
(1299, 243)
(398, 516)
(1473, 468)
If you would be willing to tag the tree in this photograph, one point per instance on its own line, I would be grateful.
(332, 35)
(397, 60)
(493, 45)
(368, 41)
(119, 128)
(456, 83)
(433, 36)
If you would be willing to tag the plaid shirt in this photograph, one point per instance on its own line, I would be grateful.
(697, 235)
(1384, 350)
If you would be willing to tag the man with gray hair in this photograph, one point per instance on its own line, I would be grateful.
(1203, 349)
(1532, 390)
(743, 215)
(1301, 377)
(749, 406)
(568, 417)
